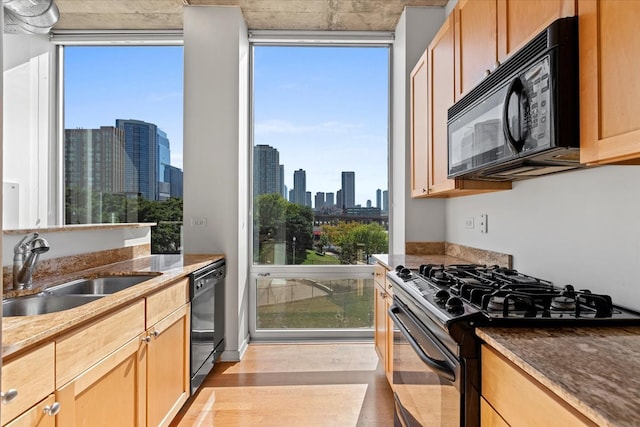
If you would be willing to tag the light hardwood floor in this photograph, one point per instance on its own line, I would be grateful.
(298, 385)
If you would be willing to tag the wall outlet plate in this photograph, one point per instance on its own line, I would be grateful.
(469, 222)
(484, 219)
(199, 222)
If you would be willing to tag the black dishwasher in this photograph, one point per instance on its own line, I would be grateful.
(206, 292)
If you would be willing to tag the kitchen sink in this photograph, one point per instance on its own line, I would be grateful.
(43, 304)
(98, 286)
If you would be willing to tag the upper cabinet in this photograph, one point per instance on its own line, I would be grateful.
(488, 32)
(609, 83)
(476, 51)
(432, 93)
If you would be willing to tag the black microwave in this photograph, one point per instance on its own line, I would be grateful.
(521, 121)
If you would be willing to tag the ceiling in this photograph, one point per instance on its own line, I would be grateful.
(316, 15)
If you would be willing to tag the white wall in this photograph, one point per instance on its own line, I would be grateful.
(412, 220)
(216, 151)
(29, 151)
(580, 228)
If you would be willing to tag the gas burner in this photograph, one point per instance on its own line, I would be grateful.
(496, 303)
(563, 303)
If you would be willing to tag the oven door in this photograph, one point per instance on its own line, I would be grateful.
(427, 378)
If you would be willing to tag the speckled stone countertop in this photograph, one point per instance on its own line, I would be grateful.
(21, 332)
(414, 261)
(595, 370)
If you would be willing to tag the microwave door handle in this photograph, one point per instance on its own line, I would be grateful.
(515, 87)
(442, 369)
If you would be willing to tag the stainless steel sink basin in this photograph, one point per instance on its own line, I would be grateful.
(98, 286)
(43, 304)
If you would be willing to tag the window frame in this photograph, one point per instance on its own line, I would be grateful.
(319, 272)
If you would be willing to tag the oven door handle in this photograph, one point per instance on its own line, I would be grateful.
(440, 367)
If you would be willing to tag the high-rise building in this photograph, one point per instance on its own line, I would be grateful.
(379, 198)
(307, 198)
(339, 199)
(164, 161)
(299, 187)
(348, 189)
(368, 203)
(141, 163)
(94, 159)
(266, 170)
(329, 200)
(174, 176)
(292, 196)
(319, 200)
(282, 188)
(385, 201)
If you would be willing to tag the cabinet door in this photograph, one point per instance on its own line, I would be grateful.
(521, 20)
(389, 341)
(609, 83)
(441, 94)
(475, 42)
(32, 376)
(168, 367)
(38, 416)
(379, 333)
(419, 157)
(110, 393)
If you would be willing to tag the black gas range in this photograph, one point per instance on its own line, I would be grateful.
(435, 311)
(499, 296)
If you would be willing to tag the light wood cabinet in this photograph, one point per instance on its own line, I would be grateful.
(111, 392)
(130, 367)
(609, 84)
(38, 416)
(383, 325)
(419, 137)
(441, 92)
(476, 48)
(521, 20)
(488, 32)
(511, 396)
(31, 375)
(168, 367)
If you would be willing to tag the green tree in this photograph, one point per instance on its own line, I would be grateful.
(299, 220)
(351, 237)
(168, 214)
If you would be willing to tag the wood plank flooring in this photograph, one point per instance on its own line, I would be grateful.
(281, 385)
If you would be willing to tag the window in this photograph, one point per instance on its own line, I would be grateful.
(320, 200)
(123, 138)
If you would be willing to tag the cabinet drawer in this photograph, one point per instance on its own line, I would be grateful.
(32, 375)
(520, 399)
(380, 275)
(166, 301)
(36, 417)
(79, 350)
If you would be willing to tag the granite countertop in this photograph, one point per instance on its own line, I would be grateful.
(595, 370)
(21, 332)
(414, 261)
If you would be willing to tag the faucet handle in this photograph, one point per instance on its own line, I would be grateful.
(23, 245)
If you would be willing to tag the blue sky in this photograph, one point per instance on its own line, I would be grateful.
(323, 108)
(142, 83)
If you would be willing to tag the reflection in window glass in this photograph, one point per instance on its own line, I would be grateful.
(123, 138)
(320, 154)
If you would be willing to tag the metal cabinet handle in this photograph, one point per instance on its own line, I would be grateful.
(146, 339)
(52, 409)
(9, 396)
(155, 333)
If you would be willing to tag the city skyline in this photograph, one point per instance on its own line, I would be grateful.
(325, 109)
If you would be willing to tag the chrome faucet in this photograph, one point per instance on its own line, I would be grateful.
(25, 259)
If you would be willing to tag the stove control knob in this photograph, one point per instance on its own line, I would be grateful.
(441, 297)
(454, 305)
(405, 273)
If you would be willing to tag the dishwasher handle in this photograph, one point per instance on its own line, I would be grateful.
(440, 367)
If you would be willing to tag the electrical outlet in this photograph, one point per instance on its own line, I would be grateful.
(469, 223)
(484, 220)
(198, 222)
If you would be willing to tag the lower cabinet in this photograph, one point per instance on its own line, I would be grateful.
(510, 396)
(168, 367)
(383, 325)
(41, 415)
(130, 368)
